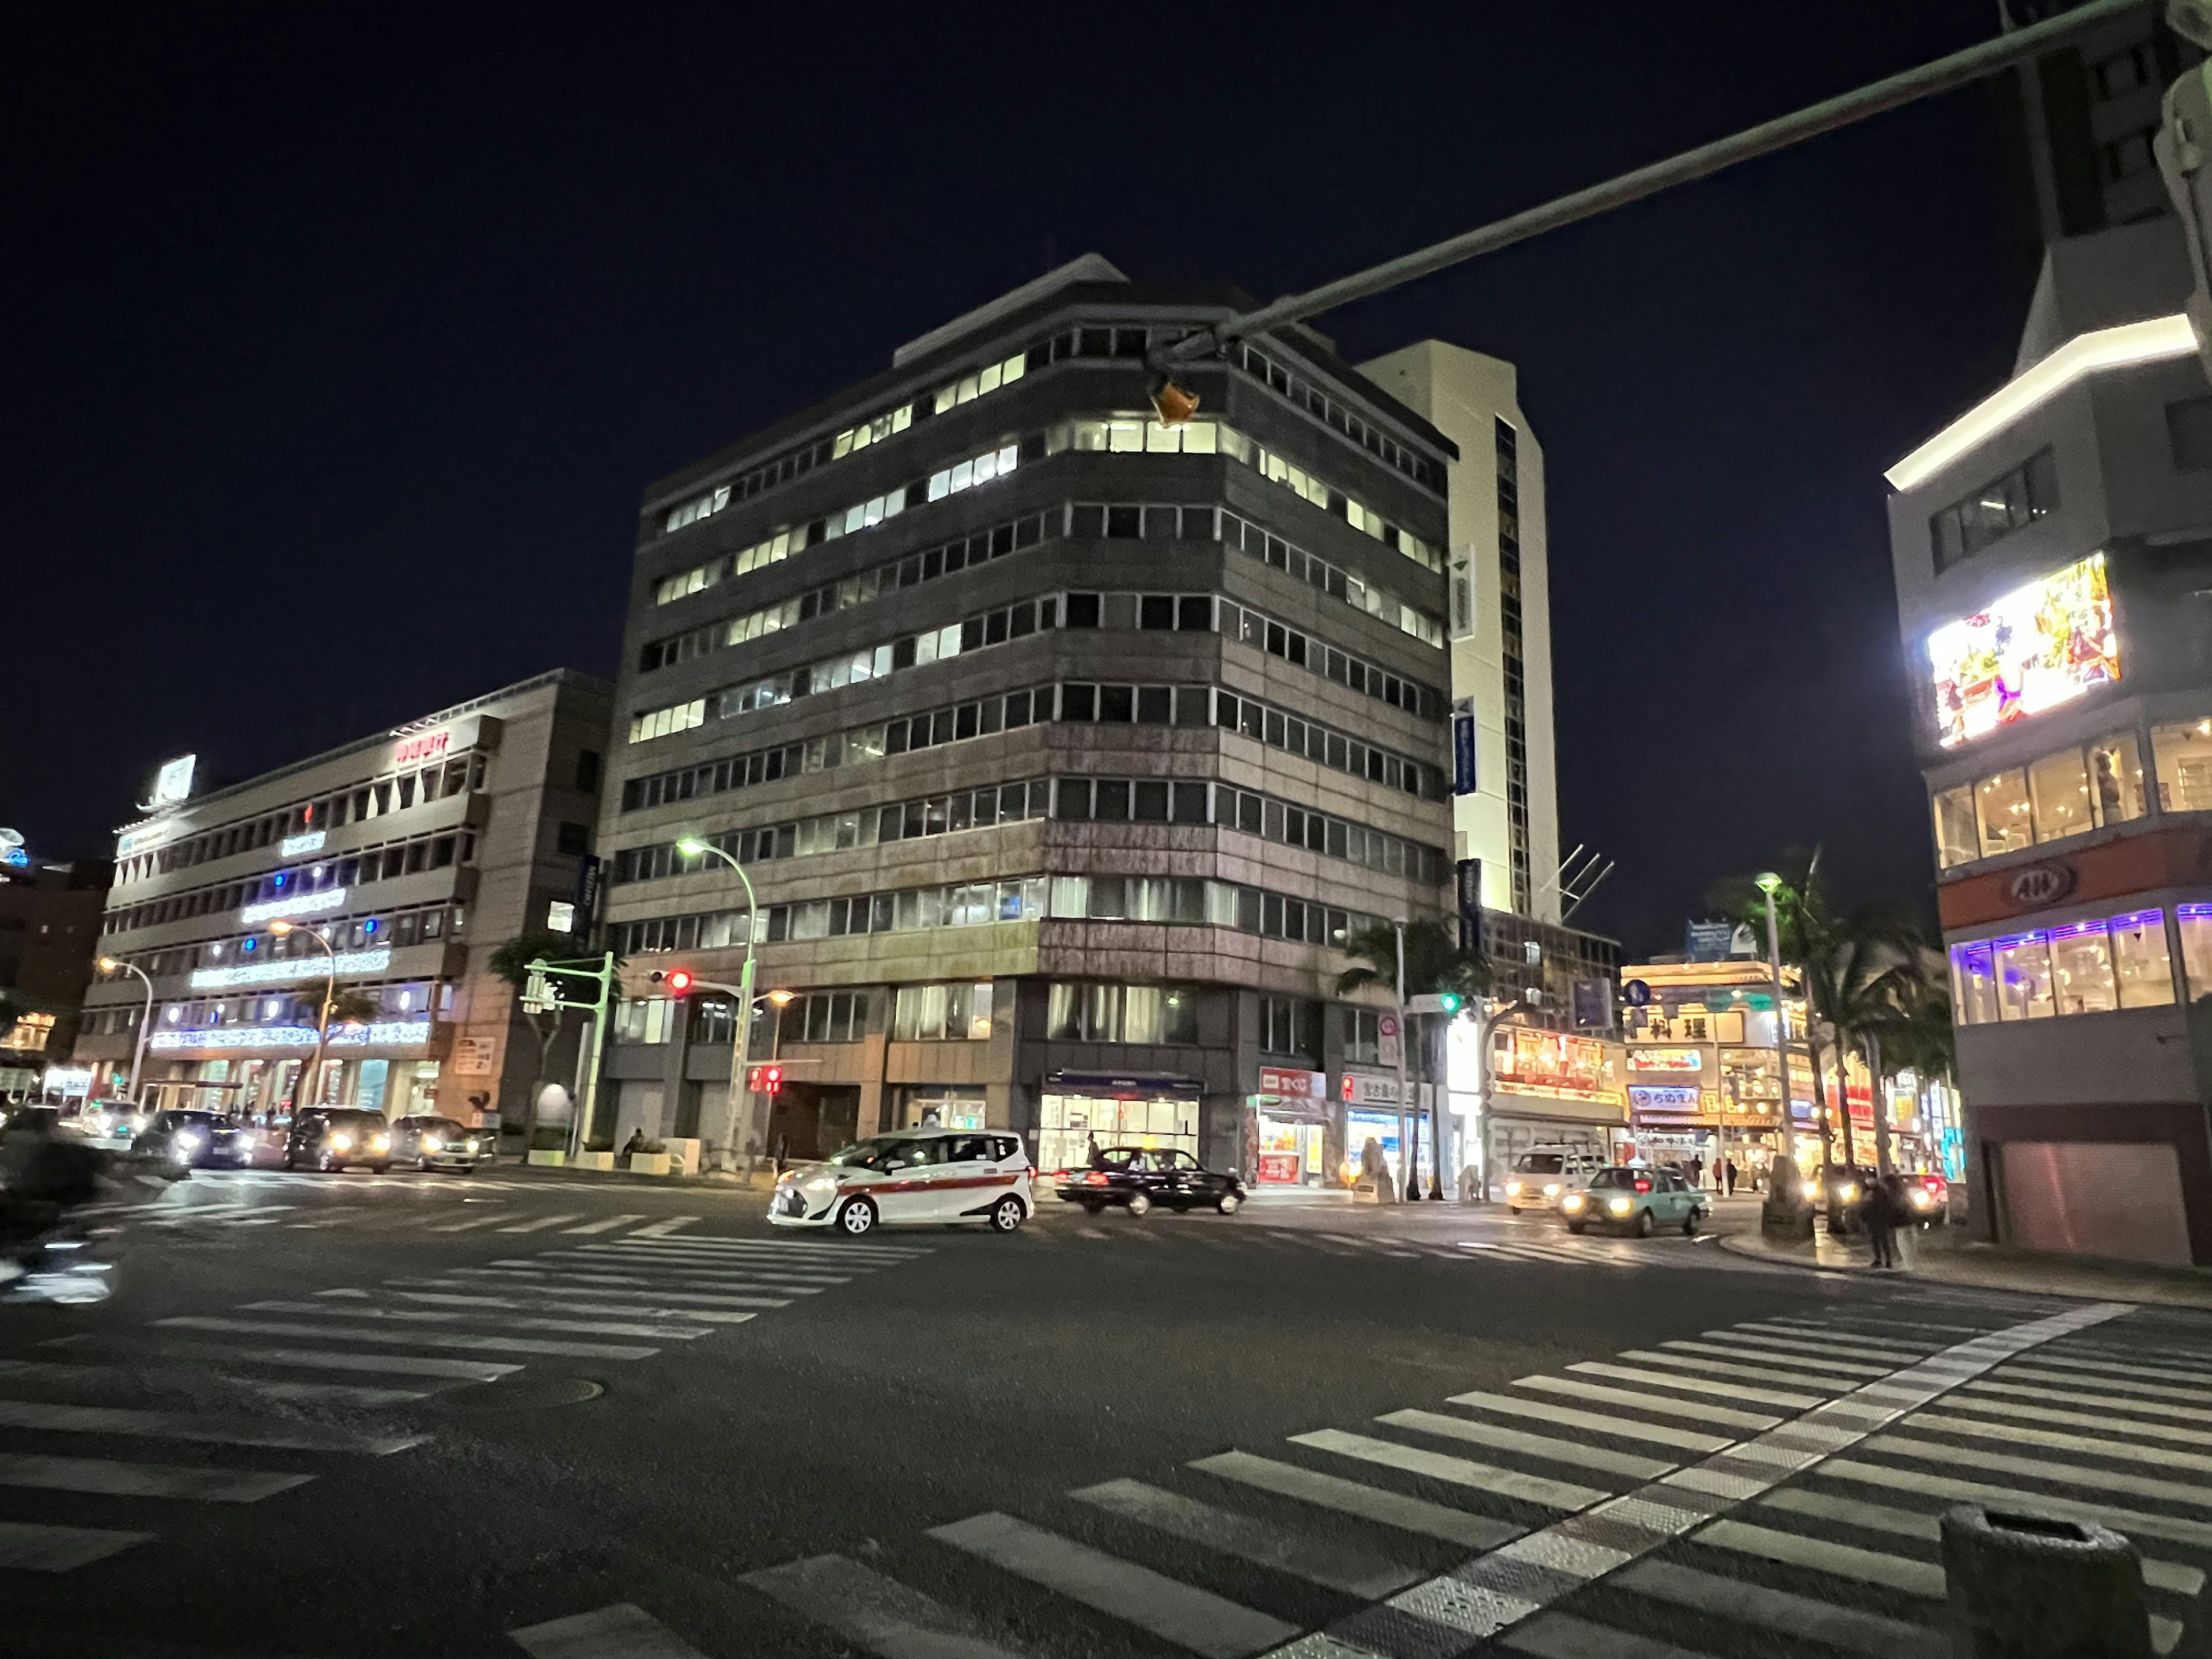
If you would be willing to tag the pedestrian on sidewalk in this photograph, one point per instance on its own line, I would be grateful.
(1727, 1177)
(1880, 1212)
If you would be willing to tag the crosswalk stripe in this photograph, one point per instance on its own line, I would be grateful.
(60, 1549)
(669, 1271)
(2191, 1360)
(1793, 1344)
(1843, 1368)
(2127, 1408)
(1179, 1613)
(623, 1630)
(447, 1316)
(2095, 1445)
(699, 1316)
(2126, 1368)
(472, 1223)
(881, 1615)
(2108, 1418)
(1455, 1471)
(2115, 1384)
(1797, 1618)
(1564, 1635)
(1798, 1402)
(742, 1296)
(1928, 1529)
(415, 1339)
(93, 1375)
(607, 1225)
(1829, 1385)
(1332, 1492)
(2195, 1494)
(1658, 1405)
(1890, 1478)
(793, 1250)
(1498, 1437)
(112, 1479)
(51, 1418)
(1881, 1325)
(1332, 1564)
(455, 1370)
(1626, 1428)
(538, 1224)
(662, 1229)
(1794, 1549)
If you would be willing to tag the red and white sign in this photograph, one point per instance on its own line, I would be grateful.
(1293, 1086)
(1364, 1089)
(425, 745)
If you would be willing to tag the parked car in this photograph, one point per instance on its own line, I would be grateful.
(1137, 1178)
(438, 1143)
(118, 1119)
(1928, 1196)
(187, 1139)
(329, 1137)
(1543, 1175)
(912, 1177)
(1636, 1199)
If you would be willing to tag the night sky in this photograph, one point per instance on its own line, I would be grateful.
(340, 345)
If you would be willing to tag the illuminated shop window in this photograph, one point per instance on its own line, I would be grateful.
(2182, 755)
(2023, 966)
(2068, 793)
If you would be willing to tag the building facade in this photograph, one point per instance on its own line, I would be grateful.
(416, 854)
(50, 915)
(2053, 552)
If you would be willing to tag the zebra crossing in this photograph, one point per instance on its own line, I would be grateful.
(1778, 1480)
(294, 1388)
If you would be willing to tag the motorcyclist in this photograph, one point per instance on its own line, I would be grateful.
(43, 1175)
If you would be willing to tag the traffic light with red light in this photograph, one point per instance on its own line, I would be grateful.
(676, 981)
(766, 1079)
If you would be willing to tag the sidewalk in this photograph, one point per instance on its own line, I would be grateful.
(1946, 1256)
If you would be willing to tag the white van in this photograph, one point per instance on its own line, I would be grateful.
(1542, 1174)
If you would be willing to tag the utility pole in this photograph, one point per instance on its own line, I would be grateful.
(579, 1126)
(1409, 1164)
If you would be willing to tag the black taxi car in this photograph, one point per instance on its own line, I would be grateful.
(187, 1139)
(1137, 1177)
(329, 1137)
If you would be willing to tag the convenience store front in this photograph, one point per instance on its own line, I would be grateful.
(1291, 1119)
(1148, 1110)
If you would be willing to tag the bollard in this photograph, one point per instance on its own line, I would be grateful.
(2030, 1587)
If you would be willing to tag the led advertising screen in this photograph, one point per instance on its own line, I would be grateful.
(2040, 645)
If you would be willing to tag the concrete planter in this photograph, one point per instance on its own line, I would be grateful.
(596, 1161)
(685, 1155)
(651, 1164)
(549, 1160)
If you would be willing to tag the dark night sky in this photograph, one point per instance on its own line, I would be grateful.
(340, 344)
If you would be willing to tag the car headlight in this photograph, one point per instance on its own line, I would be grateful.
(341, 1142)
(1552, 1189)
(1812, 1191)
(470, 1147)
(1572, 1201)
(1513, 1188)
(1848, 1192)
(1620, 1206)
(380, 1143)
(433, 1143)
(1921, 1198)
(820, 1183)
(187, 1143)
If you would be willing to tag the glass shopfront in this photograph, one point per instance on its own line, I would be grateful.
(1289, 1149)
(1153, 1112)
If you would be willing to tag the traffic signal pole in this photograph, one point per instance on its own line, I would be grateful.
(579, 1127)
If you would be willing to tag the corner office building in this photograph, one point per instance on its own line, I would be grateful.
(418, 852)
(1063, 748)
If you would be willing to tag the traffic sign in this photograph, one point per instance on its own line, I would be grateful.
(1636, 993)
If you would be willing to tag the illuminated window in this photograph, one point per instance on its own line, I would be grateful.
(2059, 786)
(2195, 923)
(2023, 970)
(2008, 822)
(2081, 969)
(2182, 757)
(2116, 775)
(1957, 838)
(2140, 961)
(942, 1014)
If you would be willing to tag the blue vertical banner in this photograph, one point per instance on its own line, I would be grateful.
(587, 895)
(1469, 872)
(1462, 754)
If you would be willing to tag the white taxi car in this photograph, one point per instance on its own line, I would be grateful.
(913, 1176)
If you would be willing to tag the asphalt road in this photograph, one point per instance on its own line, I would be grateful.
(521, 1413)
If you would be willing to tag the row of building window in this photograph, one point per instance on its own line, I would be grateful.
(1986, 516)
(409, 1000)
(1287, 382)
(1188, 900)
(360, 869)
(395, 929)
(2073, 791)
(1096, 1010)
(1163, 800)
(958, 1013)
(1245, 536)
(2082, 967)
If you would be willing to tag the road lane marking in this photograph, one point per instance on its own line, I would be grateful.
(184, 1426)
(1850, 1372)
(623, 1630)
(416, 1338)
(451, 1370)
(1791, 1345)
(1881, 1326)
(1696, 1411)
(1797, 1618)
(2127, 1407)
(1331, 1565)
(607, 1225)
(2187, 1360)
(1332, 1492)
(698, 1316)
(2117, 1385)
(2092, 1445)
(1696, 1384)
(434, 1316)
(662, 1229)
(670, 1272)
(2195, 1494)
(79, 1378)
(472, 1223)
(1626, 1428)
(791, 1250)
(2125, 1368)
(60, 1549)
(1562, 1636)
(1179, 1613)
(1456, 1471)
(2110, 1418)
(1829, 1385)
(1890, 1477)
(1498, 1437)
(540, 1223)
(595, 1284)
(1794, 1549)
(112, 1479)
(881, 1615)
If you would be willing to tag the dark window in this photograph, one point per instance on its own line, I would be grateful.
(572, 839)
(1993, 512)
(2189, 429)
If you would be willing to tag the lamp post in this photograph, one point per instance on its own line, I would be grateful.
(330, 992)
(692, 846)
(1488, 1016)
(1769, 884)
(779, 1000)
(108, 965)
(1409, 1160)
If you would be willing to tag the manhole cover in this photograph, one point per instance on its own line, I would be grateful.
(526, 1393)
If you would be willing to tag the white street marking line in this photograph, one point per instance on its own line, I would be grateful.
(880, 1613)
(1330, 1565)
(2195, 1494)
(2095, 1445)
(1797, 1618)
(472, 1223)
(1695, 1411)
(1690, 1362)
(342, 1393)
(59, 1549)
(2126, 1409)
(1877, 1325)
(623, 1630)
(1498, 1437)
(1181, 1613)
(1794, 1343)
(1697, 1384)
(593, 1284)
(2181, 1359)
(540, 1223)
(607, 1225)
(184, 1426)
(1847, 1369)
(793, 1255)
(2110, 1419)
(415, 1339)
(1331, 1492)
(784, 1284)
(1458, 1471)
(115, 1480)
(613, 1256)
(662, 1229)
(455, 1370)
(2126, 1368)
(1928, 1529)
(697, 1315)
(1889, 1477)
(430, 1316)
(2116, 1385)
(1793, 1549)
(1562, 1636)
(1626, 1428)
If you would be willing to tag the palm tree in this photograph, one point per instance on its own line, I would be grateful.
(1434, 963)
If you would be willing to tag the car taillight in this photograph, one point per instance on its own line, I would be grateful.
(1643, 1186)
(1933, 1183)
(1093, 1179)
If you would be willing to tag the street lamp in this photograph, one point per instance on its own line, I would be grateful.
(691, 847)
(108, 965)
(1770, 883)
(780, 1000)
(330, 993)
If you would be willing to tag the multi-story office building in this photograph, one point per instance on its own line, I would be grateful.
(49, 923)
(416, 854)
(2053, 552)
(1064, 747)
